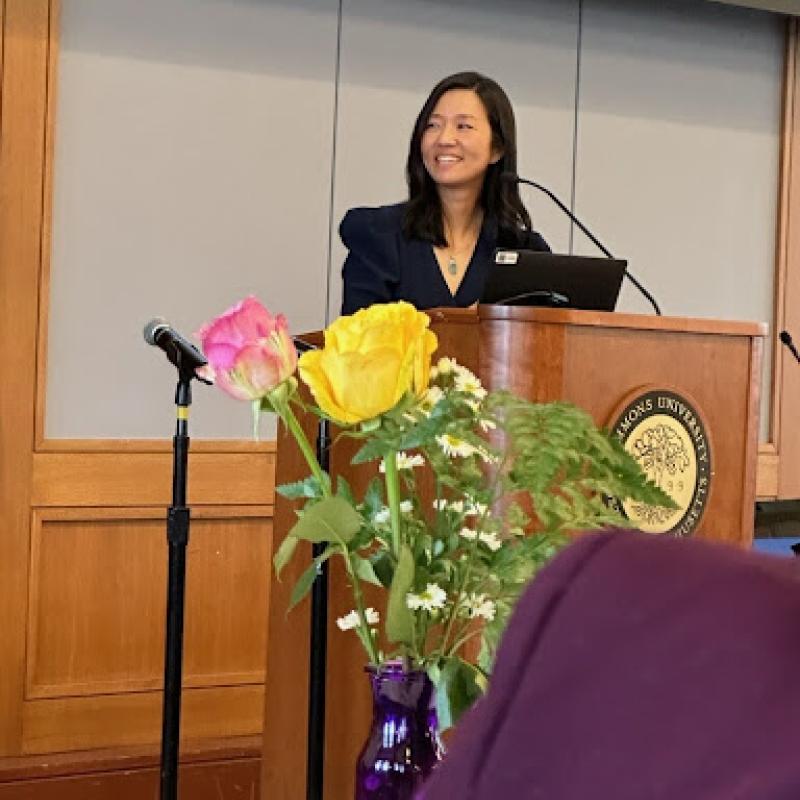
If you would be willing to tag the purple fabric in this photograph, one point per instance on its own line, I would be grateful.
(640, 667)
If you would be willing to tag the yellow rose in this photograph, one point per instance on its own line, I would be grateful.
(370, 360)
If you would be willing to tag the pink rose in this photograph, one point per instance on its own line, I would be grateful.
(249, 350)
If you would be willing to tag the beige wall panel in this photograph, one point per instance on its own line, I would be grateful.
(97, 594)
(192, 167)
(393, 53)
(678, 149)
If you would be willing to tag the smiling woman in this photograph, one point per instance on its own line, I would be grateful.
(435, 249)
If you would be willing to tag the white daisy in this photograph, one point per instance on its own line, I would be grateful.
(486, 456)
(348, 621)
(476, 509)
(445, 365)
(491, 540)
(478, 605)
(431, 598)
(373, 617)
(453, 446)
(404, 461)
(447, 505)
(431, 397)
(468, 534)
(473, 405)
(384, 515)
(487, 425)
(468, 383)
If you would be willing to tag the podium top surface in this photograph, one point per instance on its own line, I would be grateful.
(592, 319)
(598, 319)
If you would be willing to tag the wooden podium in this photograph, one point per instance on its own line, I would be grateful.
(599, 361)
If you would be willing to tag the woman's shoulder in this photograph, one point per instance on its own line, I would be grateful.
(372, 220)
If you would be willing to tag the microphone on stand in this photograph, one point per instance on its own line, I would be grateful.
(512, 177)
(786, 339)
(181, 352)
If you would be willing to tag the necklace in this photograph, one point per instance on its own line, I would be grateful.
(452, 264)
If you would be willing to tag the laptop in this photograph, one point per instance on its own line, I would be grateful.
(532, 278)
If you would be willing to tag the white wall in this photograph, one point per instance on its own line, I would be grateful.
(203, 152)
(193, 158)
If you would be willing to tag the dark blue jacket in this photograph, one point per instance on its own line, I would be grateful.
(383, 265)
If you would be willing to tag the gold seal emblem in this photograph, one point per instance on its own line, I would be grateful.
(666, 435)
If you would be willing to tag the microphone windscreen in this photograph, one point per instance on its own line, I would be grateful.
(785, 337)
(151, 329)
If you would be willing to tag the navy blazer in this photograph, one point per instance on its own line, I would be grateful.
(383, 265)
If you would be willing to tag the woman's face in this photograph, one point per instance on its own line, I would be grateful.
(457, 141)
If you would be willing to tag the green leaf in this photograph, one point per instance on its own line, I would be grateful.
(458, 686)
(373, 497)
(364, 570)
(344, 490)
(303, 585)
(399, 619)
(306, 580)
(372, 450)
(332, 519)
(383, 567)
(284, 554)
(308, 487)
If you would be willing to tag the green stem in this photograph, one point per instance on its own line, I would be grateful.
(366, 638)
(393, 498)
(286, 413)
(461, 640)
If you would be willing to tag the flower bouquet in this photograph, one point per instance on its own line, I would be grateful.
(507, 481)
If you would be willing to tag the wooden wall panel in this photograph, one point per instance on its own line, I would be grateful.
(787, 388)
(96, 611)
(24, 93)
(224, 769)
(83, 723)
(122, 478)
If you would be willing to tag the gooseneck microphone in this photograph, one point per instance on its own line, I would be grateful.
(512, 177)
(786, 339)
(181, 352)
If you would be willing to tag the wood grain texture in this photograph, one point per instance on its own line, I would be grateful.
(142, 479)
(54, 29)
(788, 390)
(22, 140)
(767, 473)
(79, 723)
(227, 779)
(96, 610)
(209, 768)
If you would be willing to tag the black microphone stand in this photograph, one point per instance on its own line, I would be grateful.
(786, 340)
(177, 540)
(318, 637)
(318, 650)
(597, 243)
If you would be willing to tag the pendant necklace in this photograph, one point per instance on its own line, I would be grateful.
(452, 266)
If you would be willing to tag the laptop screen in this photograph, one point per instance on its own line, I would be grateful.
(532, 278)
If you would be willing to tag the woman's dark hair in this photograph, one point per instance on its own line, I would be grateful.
(500, 198)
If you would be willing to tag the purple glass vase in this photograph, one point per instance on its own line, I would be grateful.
(403, 744)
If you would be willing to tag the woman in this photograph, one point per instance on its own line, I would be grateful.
(436, 249)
